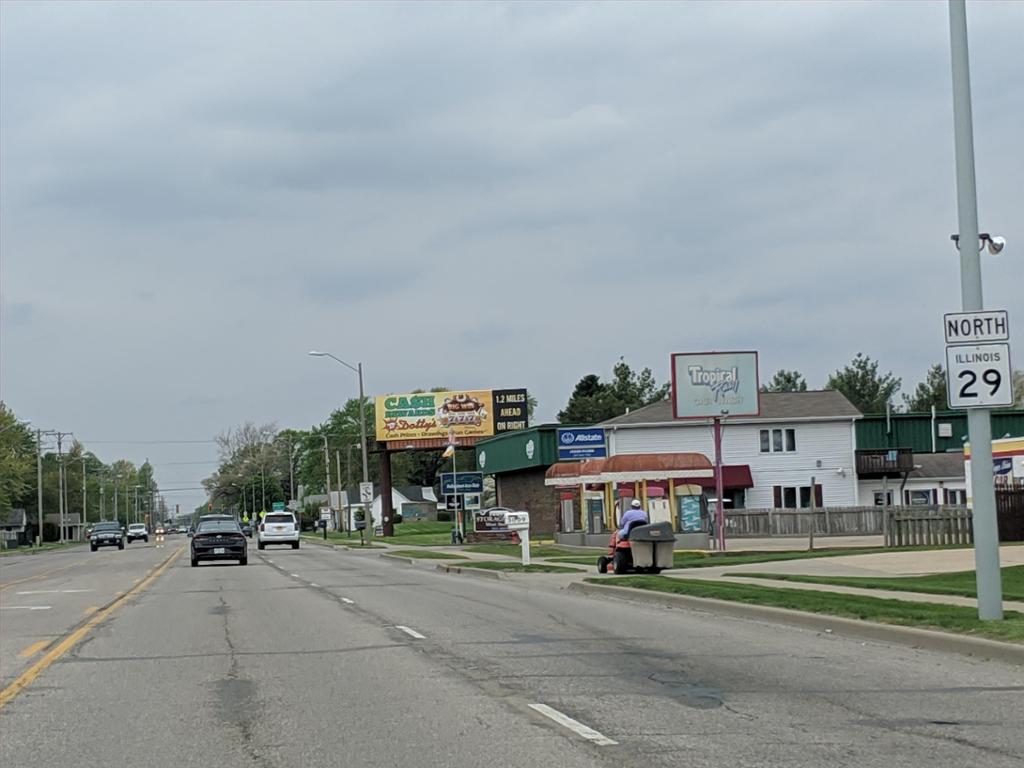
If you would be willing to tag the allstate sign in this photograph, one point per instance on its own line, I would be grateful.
(582, 443)
(712, 384)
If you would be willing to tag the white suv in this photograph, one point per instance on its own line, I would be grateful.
(137, 531)
(278, 528)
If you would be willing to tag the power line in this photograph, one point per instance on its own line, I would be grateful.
(149, 442)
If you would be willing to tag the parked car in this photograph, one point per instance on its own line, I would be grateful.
(278, 528)
(106, 535)
(137, 531)
(247, 529)
(219, 539)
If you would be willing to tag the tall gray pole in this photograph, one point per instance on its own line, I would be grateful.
(60, 485)
(366, 458)
(115, 499)
(39, 486)
(327, 471)
(85, 511)
(979, 425)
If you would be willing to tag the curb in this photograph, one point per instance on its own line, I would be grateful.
(468, 571)
(926, 639)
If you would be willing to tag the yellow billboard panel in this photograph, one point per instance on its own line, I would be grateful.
(427, 415)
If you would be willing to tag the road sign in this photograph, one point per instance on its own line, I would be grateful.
(277, 506)
(469, 482)
(976, 327)
(582, 443)
(325, 514)
(979, 376)
(453, 502)
(365, 492)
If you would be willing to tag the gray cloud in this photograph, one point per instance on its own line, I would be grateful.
(191, 196)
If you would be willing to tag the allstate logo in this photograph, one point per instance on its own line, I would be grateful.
(530, 447)
(568, 438)
(483, 459)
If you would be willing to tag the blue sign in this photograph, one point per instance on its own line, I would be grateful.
(469, 482)
(582, 443)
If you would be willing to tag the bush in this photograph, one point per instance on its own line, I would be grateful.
(444, 517)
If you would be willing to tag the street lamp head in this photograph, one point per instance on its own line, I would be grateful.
(317, 353)
(995, 244)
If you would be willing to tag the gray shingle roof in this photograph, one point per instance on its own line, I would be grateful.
(775, 406)
(939, 465)
(12, 518)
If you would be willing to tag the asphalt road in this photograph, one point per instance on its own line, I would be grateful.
(322, 658)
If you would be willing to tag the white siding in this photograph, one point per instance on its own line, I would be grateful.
(827, 442)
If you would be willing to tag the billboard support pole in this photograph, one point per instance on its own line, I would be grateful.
(719, 508)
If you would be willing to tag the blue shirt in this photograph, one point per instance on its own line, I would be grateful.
(632, 515)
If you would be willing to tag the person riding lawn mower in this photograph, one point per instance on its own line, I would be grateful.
(638, 546)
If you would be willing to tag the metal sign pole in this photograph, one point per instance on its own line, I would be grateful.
(979, 425)
(719, 490)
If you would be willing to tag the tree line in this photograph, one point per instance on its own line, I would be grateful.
(19, 485)
(861, 381)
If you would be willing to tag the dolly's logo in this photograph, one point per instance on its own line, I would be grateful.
(721, 381)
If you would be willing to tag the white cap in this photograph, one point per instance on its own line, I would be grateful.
(636, 504)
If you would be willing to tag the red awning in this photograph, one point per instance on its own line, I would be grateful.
(733, 476)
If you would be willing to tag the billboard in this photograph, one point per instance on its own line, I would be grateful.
(710, 384)
(463, 413)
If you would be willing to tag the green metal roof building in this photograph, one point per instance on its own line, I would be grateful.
(914, 430)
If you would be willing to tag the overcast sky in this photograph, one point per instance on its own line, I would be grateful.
(480, 195)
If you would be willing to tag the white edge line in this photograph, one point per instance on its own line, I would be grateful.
(411, 632)
(575, 726)
(314, 584)
(347, 601)
(294, 575)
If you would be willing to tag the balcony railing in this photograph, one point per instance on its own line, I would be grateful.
(881, 462)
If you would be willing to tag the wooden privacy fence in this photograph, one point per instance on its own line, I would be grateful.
(1010, 509)
(928, 526)
(827, 521)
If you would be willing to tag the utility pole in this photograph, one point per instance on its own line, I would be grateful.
(979, 424)
(337, 474)
(39, 486)
(85, 510)
(60, 484)
(136, 504)
(115, 499)
(291, 472)
(327, 471)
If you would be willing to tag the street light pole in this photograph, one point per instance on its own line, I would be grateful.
(979, 425)
(358, 370)
(39, 486)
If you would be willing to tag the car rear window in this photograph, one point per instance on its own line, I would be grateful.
(107, 527)
(136, 527)
(217, 526)
(279, 519)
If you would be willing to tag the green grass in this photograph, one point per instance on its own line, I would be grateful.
(696, 559)
(427, 554)
(336, 537)
(514, 550)
(959, 583)
(952, 618)
(47, 547)
(424, 534)
(498, 565)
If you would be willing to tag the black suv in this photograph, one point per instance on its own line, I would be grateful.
(106, 535)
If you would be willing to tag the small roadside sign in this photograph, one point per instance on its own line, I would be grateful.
(979, 376)
(468, 482)
(365, 492)
(582, 443)
(976, 327)
(277, 506)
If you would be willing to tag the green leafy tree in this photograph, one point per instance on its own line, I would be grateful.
(1018, 388)
(863, 386)
(593, 400)
(931, 391)
(786, 381)
(17, 460)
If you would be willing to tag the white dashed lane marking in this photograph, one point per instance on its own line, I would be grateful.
(411, 632)
(575, 726)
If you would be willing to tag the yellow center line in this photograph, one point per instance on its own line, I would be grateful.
(70, 640)
(33, 649)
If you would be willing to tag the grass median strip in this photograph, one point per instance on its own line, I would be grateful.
(426, 554)
(514, 550)
(951, 618)
(961, 583)
(496, 565)
(696, 559)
